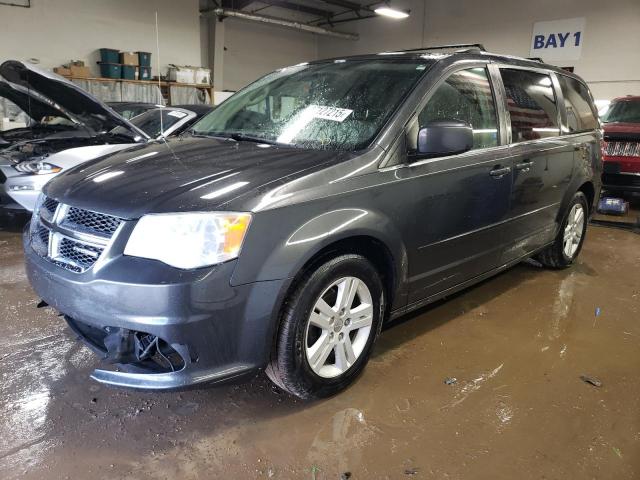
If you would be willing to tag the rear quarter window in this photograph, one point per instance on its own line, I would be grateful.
(531, 104)
(577, 102)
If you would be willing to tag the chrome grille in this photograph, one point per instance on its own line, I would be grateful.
(81, 254)
(92, 222)
(622, 149)
(40, 240)
(71, 237)
(49, 208)
(50, 205)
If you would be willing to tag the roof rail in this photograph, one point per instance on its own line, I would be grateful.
(459, 46)
(535, 59)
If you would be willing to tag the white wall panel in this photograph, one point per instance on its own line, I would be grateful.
(254, 49)
(610, 60)
(56, 31)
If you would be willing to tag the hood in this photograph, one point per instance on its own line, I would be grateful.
(183, 174)
(30, 103)
(66, 97)
(620, 130)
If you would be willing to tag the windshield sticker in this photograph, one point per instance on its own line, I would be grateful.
(329, 113)
(177, 114)
(308, 114)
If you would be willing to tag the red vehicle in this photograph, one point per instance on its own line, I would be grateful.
(621, 154)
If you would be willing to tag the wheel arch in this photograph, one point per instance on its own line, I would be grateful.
(589, 191)
(370, 247)
(587, 188)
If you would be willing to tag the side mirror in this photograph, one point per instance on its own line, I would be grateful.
(444, 137)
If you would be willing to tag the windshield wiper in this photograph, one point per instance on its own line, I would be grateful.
(239, 137)
(242, 137)
(218, 135)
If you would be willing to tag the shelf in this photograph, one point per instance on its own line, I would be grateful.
(164, 86)
(147, 82)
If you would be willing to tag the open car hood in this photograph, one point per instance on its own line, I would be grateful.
(30, 103)
(65, 97)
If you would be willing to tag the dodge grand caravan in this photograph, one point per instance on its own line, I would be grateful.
(309, 208)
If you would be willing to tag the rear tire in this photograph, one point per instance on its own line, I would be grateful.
(568, 243)
(327, 329)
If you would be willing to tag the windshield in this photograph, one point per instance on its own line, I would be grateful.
(623, 112)
(340, 105)
(129, 111)
(149, 121)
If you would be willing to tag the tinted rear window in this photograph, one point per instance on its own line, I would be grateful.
(580, 115)
(531, 103)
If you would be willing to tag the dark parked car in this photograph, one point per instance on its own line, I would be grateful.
(132, 109)
(622, 145)
(312, 206)
(169, 121)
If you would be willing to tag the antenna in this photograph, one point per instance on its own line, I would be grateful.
(159, 76)
(164, 139)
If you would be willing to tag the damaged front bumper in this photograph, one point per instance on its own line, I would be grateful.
(206, 329)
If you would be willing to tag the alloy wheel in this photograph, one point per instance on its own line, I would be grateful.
(339, 327)
(573, 230)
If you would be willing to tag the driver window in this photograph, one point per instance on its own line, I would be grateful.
(465, 96)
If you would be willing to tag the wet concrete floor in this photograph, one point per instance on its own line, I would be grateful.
(517, 346)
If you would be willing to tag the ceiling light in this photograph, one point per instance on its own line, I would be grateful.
(391, 12)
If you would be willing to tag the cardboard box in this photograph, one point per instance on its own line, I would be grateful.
(64, 71)
(79, 72)
(129, 58)
(77, 63)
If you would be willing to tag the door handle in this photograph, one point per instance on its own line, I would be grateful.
(524, 166)
(500, 172)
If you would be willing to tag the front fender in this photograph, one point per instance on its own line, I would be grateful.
(280, 243)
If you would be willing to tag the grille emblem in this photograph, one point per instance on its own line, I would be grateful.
(85, 251)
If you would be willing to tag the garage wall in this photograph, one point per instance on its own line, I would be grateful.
(610, 60)
(56, 31)
(253, 49)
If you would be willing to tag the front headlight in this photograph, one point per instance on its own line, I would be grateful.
(189, 240)
(37, 167)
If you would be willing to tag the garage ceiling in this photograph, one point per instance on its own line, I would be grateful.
(310, 12)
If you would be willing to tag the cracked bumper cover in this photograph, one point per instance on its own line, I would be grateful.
(226, 329)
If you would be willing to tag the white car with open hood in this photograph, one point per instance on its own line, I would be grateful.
(67, 127)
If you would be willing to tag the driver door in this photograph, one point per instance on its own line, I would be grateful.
(460, 201)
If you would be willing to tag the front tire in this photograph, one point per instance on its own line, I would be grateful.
(328, 326)
(568, 243)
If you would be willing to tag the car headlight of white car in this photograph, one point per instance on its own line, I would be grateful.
(189, 240)
(37, 167)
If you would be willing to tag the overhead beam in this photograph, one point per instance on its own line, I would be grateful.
(333, 22)
(224, 12)
(299, 8)
(346, 4)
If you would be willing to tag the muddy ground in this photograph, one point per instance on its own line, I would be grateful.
(516, 345)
